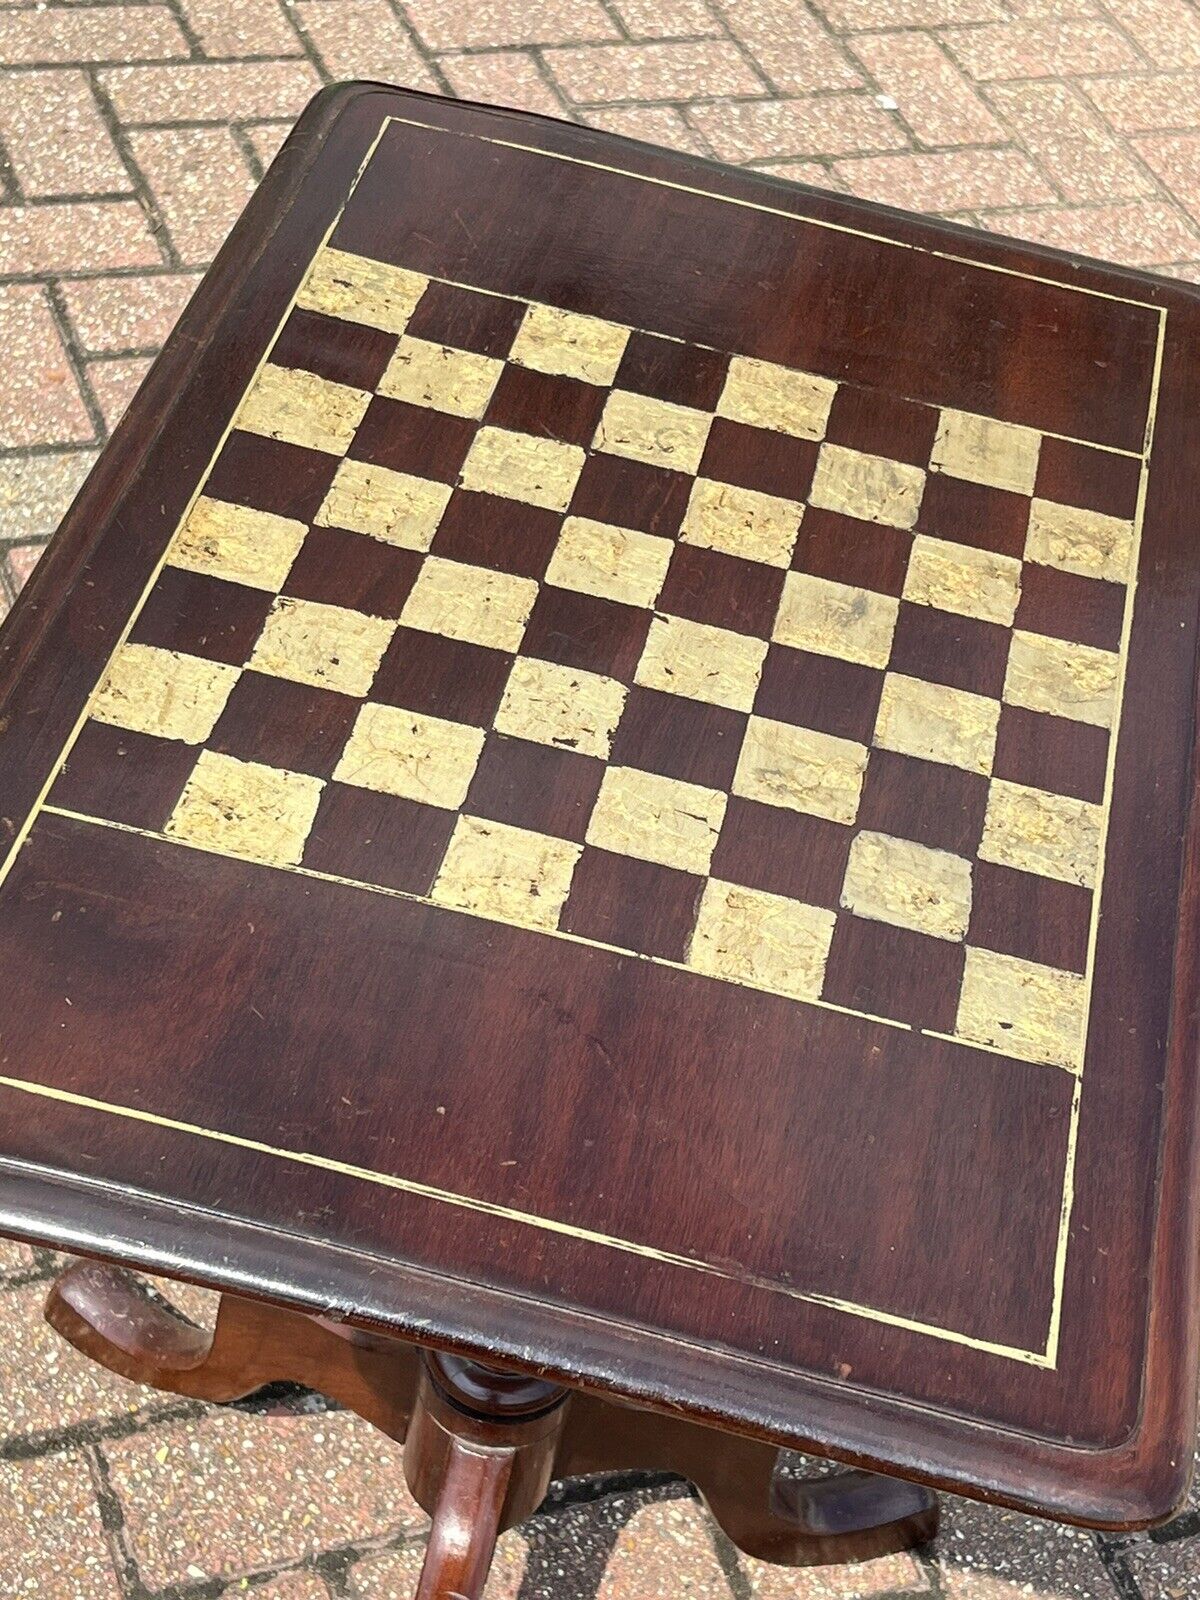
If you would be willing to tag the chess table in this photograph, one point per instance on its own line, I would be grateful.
(596, 826)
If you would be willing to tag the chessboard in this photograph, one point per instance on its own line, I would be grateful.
(786, 681)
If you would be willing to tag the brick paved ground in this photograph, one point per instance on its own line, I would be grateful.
(131, 133)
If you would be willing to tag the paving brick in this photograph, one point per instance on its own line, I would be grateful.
(15, 1258)
(1176, 160)
(936, 101)
(1136, 104)
(853, 14)
(212, 92)
(57, 141)
(1040, 49)
(90, 33)
(662, 71)
(666, 19)
(1142, 233)
(950, 180)
(796, 54)
(42, 401)
(200, 180)
(291, 1586)
(655, 124)
(233, 1494)
(266, 138)
(114, 382)
(483, 24)
(393, 1576)
(983, 1553)
(502, 77)
(837, 124)
(246, 27)
(1166, 1571)
(364, 39)
(83, 236)
(21, 560)
(51, 1534)
(35, 491)
(127, 313)
(1167, 30)
(664, 1551)
(887, 1578)
(1069, 142)
(815, 173)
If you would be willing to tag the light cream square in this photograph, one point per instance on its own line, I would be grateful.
(762, 940)
(506, 874)
(834, 619)
(393, 507)
(1062, 678)
(871, 488)
(742, 522)
(1084, 542)
(654, 818)
(237, 543)
(538, 472)
(768, 396)
(357, 289)
(937, 723)
(800, 769)
(394, 751)
(959, 578)
(701, 662)
(300, 408)
(614, 563)
(561, 706)
(329, 647)
(1054, 835)
(571, 345)
(982, 450)
(908, 885)
(655, 431)
(241, 808)
(455, 381)
(161, 692)
(1028, 1011)
(470, 603)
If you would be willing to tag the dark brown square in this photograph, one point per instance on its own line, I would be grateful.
(123, 776)
(487, 530)
(580, 630)
(845, 550)
(1023, 914)
(822, 692)
(378, 838)
(925, 801)
(684, 374)
(631, 494)
(974, 514)
(271, 476)
(759, 458)
(467, 319)
(535, 786)
(782, 852)
(1086, 610)
(882, 424)
(442, 677)
(546, 405)
(339, 568)
(635, 905)
(1099, 480)
(343, 352)
(285, 724)
(680, 738)
(710, 586)
(942, 647)
(893, 972)
(202, 616)
(1051, 753)
(413, 439)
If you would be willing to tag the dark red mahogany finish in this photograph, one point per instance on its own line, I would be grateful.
(796, 1222)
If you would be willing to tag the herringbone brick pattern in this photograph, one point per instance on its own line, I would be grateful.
(131, 133)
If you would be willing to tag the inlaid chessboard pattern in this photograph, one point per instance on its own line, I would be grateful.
(797, 684)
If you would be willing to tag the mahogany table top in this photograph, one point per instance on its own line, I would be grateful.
(601, 773)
